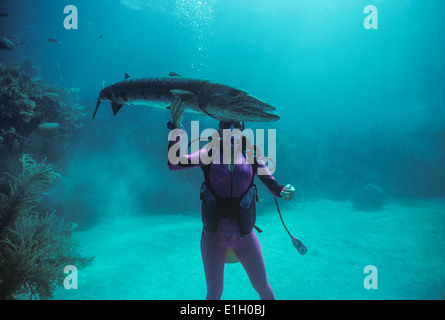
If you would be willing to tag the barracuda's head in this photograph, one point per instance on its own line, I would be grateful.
(227, 103)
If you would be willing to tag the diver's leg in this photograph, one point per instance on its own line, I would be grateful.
(249, 253)
(213, 253)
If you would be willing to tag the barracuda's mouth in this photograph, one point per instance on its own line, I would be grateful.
(252, 103)
(242, 112)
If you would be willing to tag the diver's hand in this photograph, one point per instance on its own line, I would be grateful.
(288, 193)
(177, 110)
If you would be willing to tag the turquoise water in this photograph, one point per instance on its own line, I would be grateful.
(358, 106)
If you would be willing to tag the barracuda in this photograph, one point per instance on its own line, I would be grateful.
(216, 100)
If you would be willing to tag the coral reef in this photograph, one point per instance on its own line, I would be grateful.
(370, 198)
(34, 248)
(37, 119)
(26, 105)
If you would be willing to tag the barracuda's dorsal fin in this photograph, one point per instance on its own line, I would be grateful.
(173, 74)
(126, 76)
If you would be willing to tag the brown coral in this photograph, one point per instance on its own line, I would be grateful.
(25, 104)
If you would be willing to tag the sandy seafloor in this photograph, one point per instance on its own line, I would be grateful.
(158, 256)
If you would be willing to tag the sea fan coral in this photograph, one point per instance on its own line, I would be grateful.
(34, 248)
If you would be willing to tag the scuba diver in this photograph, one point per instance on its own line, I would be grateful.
(228, 209)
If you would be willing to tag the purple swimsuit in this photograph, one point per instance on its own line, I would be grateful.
(227, 185)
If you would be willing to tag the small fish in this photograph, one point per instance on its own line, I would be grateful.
(47, 126)
(37, 79)
(51, 95)
(4, 15)
(88, 22)
(6, 44)
(8, 36)
(100, 37)
(58, 66)
(53, 41)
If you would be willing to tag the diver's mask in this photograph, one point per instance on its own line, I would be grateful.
(231, 125)
(235, 136)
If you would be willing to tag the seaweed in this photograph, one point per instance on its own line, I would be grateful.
(34, 248)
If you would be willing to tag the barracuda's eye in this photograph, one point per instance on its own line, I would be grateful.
(235, 93)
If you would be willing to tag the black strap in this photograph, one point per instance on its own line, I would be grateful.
(257, 229)
(278, 208)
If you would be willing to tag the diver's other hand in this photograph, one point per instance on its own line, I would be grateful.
(177, 110)
(288, 192)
